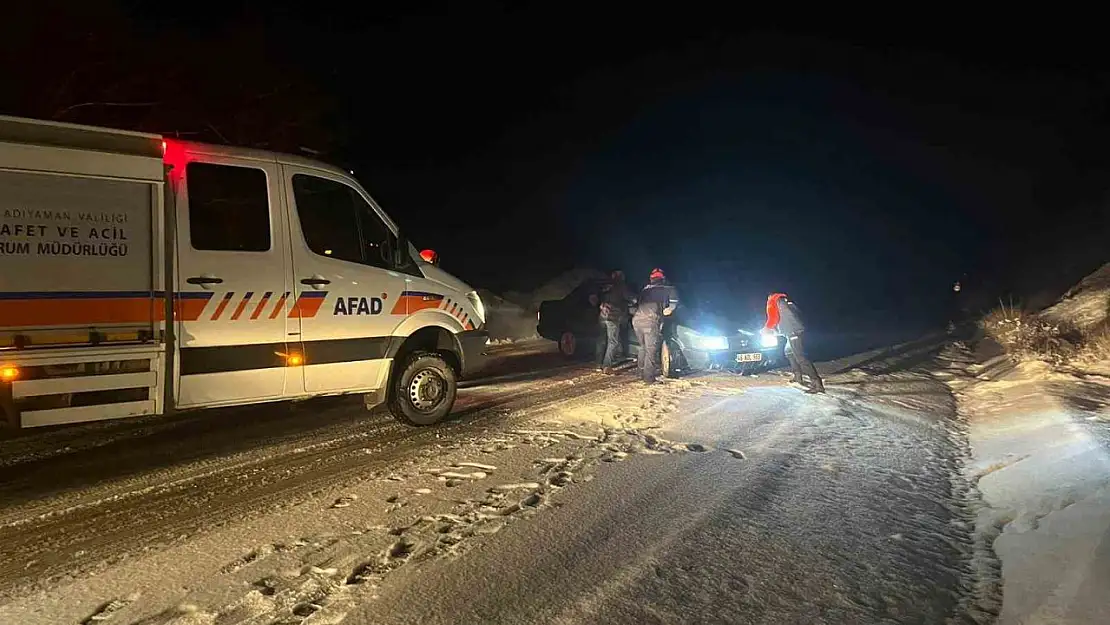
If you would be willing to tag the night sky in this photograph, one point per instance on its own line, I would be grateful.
(861, 172)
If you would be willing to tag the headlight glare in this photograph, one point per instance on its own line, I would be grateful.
(768, 339)
(711, 343)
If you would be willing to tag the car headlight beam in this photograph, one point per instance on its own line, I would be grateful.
(768, 339)
(711, 343)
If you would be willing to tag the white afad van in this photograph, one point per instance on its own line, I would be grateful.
(142, 275)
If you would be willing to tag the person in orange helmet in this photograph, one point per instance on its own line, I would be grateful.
(655, 301)
(784, 319)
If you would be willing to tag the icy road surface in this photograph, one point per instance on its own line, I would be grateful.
(558, 496)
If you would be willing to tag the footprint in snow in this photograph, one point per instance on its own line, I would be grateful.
(345, 501)
(488, 468)
(104, 612)
(454, 475)
(506, 488)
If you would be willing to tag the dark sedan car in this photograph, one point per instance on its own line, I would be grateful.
(694, 340)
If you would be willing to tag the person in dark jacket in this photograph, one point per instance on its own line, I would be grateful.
(783, 318)
(612, 313)
(655, 301)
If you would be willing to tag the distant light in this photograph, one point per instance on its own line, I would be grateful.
(9, 373)
(163, 147)
(352, 172)
(328, 252)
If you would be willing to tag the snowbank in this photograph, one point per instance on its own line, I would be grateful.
(556, 288)
(1086, 306)
(1041, 463)
(512, 316)
(505, 320)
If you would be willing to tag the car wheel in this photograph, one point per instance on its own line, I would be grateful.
(424, 391)
(568, 344)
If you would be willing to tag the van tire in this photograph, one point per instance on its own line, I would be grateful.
(407, 386)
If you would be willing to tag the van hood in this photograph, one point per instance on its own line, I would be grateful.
(441, 277)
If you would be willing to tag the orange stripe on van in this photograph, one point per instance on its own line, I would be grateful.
(261, 305)
(308, 304)
(242, 306)
(223, 305)
(22, 313)
(413, 301)
(21, 310)
(279, 307)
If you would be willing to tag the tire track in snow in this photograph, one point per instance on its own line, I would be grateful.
(66, 544)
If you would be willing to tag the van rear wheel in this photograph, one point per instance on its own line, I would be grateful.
(424, 391)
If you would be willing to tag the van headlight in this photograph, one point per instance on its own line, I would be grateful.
(476, 302)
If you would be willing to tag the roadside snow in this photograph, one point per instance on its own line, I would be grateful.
(1086, 305)
(1041, 461)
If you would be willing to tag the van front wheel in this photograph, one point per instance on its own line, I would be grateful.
(423, 392)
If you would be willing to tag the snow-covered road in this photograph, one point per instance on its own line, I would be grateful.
(801, 509)
(558, 495)
(73, 498)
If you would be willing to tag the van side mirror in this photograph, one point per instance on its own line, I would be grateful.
(401, 258)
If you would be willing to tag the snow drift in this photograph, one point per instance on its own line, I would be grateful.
(506, 320)
(512, 316)
(1086, 306)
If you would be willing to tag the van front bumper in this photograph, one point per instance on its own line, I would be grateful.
(474, 345)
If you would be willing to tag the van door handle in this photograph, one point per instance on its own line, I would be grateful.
(315, 281)
(205, 280)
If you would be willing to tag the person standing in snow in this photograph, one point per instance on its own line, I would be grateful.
(784, 319)
(656, 300)
(612, 314)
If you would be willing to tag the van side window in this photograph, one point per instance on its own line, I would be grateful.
(229, 208)
(338, 223)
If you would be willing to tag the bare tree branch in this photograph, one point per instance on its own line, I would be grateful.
(72, 107)
(218, 133)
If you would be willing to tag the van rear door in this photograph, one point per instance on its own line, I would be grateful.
(232, 273)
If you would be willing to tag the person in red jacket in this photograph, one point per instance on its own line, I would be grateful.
(784, 319)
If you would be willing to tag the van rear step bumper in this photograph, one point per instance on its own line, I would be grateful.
(74, 386)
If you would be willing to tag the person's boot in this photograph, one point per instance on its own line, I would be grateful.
(818, 388)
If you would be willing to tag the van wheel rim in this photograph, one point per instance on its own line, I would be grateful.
(427, 390)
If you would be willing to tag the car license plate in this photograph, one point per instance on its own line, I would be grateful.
(756, 357)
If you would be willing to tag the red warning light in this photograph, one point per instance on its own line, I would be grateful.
(430, 256)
